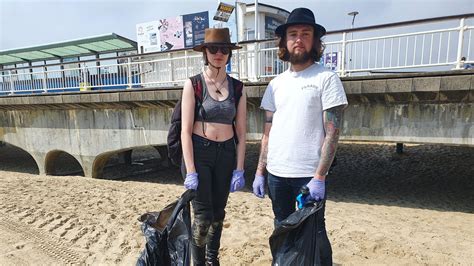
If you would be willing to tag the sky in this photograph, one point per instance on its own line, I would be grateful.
(25, 23)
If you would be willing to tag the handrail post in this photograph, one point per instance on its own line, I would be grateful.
(255, 63)
(129, 72)
(12, 86)
(170, 57)
(460, 44)
(186, 63)
(237, 55)
(84, 77)
(45, 77)
(342, 66)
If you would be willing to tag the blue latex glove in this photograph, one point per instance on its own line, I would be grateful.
(191, 181)
(259, 186)
(317, 189)
(238, 180)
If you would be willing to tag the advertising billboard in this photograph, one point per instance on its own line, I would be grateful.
(270, 26)
(330, 61)
(171, 33)
(231, 24)
(224, 11)
(148, 37)
(194, 26)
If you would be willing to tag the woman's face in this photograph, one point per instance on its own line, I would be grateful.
(218, 55)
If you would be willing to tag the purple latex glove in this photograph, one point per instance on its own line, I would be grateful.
(259, 186)
(238, 180)
(317, 189)
(191, 181)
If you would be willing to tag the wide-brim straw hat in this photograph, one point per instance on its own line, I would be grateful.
(300, 16)
(216, 37)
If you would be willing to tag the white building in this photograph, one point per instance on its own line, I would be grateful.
(269, 17)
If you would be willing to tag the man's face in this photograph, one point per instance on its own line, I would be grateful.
(299, 42)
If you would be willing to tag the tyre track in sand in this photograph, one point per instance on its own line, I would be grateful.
(53, 247)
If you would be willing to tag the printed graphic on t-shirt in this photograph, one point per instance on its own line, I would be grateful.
(310, 87)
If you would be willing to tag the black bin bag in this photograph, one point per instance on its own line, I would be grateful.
(294, 241)
(168, 234)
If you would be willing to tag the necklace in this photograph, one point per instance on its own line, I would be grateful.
(218, 90)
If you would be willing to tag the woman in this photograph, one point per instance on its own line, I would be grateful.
(213, 161)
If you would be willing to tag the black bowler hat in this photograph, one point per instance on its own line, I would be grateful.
(300, 16)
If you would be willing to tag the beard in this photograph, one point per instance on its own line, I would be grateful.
(300, 58)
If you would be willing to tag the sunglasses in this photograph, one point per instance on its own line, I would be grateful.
(213, 49)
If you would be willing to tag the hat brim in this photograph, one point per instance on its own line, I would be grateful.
(200, 48)
(280, 30)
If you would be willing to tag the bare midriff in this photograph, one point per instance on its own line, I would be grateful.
(214, 131)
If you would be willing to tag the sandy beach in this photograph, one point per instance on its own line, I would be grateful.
(383, 208)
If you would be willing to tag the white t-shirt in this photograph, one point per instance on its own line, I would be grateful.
(297, 100)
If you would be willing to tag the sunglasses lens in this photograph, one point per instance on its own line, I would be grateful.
(214, 49)
(225, 50)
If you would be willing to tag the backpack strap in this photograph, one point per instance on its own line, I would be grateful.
(196, 81)
(238, 87)
(197, 86)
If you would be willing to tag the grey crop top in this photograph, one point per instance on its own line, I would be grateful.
(214, 111)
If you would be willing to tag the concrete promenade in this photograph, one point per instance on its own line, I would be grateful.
(435, 107)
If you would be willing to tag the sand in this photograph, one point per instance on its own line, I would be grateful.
(383, 208)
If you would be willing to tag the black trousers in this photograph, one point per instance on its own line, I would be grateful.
(214, 162)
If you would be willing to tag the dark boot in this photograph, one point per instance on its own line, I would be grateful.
(213, 263)
(198, 255)
(198, 243)
(214, 243)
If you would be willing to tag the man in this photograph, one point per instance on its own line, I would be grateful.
(303, 113)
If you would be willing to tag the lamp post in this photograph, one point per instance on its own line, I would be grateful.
(256, 44)
(353, 14)
(256, 32)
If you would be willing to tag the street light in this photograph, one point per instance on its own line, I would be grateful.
(256, 32)
(353, 14)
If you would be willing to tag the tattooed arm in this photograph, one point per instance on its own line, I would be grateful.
(262, 160)
(332, 119)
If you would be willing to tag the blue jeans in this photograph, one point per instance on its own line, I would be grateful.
(283, 192)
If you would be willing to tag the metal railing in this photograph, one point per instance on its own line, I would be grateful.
(425, 49)
(384, 48)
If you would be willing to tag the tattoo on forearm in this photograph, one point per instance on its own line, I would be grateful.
(332, 125)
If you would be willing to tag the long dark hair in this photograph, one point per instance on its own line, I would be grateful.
(316, 52)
